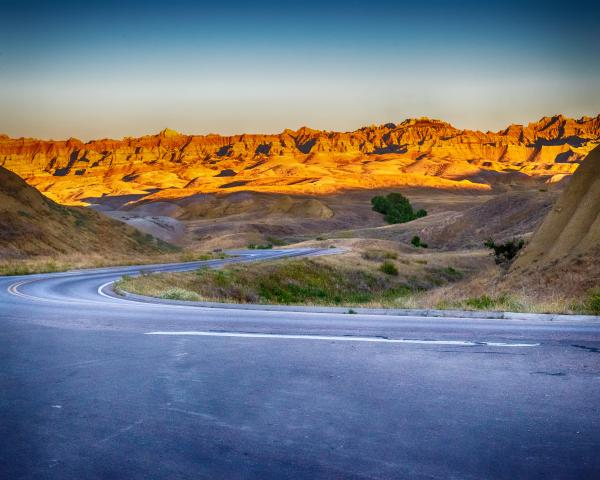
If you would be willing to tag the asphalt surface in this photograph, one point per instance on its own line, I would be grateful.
(94, 387)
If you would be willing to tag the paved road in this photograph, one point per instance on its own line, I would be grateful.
(93, 387)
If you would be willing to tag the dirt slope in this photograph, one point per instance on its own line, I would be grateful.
(573, 225)
(33, 225)
(565, 250)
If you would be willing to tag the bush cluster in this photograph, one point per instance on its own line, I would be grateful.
(416, 242)
(505, 252)
(593, 303)
(389, 268)
(396, 208)
(266, 246)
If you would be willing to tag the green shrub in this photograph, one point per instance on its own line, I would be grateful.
(484, 302)
(416, 242)
(505, 252)
(453, 272)
(388, 268)
(594, 302)
(278, 242)
(396, 208)
(180, 294)
(253, 246)
(379, 255)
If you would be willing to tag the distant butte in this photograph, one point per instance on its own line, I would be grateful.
(416, 152)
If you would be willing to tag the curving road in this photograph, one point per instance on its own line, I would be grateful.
(97, 387)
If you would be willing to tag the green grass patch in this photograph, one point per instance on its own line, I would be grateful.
(593, 302)
(277, 242)
(180, 294)
(287, 282)
(389, 268)
(485, 302)
(265, 246)
(375, 255)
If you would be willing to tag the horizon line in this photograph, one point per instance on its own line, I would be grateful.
(213, 134)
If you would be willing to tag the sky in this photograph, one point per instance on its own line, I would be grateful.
(111, 69)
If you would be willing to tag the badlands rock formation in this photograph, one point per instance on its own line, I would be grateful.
(572, 228)
(416, 152)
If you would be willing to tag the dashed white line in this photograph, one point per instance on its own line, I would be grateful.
(459, 343)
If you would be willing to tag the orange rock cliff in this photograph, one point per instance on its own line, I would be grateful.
(416, 152)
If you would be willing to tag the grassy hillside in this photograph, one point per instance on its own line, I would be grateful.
(33, 226)
(374, 273)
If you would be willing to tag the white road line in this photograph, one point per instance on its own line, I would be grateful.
(459, 343)
(14, 289)
(102, 287)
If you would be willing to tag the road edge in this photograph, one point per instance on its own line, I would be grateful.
(108, 290)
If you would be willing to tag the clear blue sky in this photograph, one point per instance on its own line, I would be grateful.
(112, 69)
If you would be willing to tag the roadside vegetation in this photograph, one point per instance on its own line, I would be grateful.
(372, 274)
(524, 303)
(263, 246)
(287, 282)
(363, 277)
(46, 264)
(396, 208)
(202, 256)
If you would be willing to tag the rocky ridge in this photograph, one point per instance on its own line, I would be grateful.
(416, 152)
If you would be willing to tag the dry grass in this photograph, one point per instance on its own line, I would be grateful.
(292, 281)
(349, 279)
(432, 280)
(61, 263)
(492, 289)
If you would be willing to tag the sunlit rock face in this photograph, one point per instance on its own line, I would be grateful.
(416, 152)
(561, 258)
(572, 228)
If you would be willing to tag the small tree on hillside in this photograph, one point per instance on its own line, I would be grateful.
(504, 253)
(396, 208)
(416, 242)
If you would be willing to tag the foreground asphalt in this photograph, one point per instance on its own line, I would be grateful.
(94, 387)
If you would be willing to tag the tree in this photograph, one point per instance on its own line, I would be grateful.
(416, 241)
(505, 252)
(396, 208)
